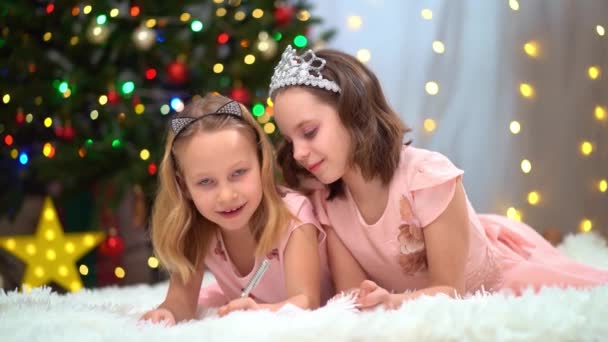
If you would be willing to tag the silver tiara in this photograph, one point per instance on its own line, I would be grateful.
(300, 70)
(230, 108)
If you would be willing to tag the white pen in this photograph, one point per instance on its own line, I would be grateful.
(256, 278)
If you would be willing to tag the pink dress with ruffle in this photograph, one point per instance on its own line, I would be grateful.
(503, 254)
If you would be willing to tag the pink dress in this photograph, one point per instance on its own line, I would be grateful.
(503, 254)
(271, 288)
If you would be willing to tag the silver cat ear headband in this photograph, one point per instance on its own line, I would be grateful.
(300, 70)
(230, 108)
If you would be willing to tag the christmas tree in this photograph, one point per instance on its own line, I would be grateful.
(87, 86)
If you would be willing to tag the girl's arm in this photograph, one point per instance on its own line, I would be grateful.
(346, 272)
(302, 269)
(302, 274)
(447, 247)
(181, 300)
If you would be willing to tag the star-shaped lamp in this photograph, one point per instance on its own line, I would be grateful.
(51, 255)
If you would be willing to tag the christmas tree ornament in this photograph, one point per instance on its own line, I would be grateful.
(144, 37)
(68, 131)
(223, 38)
(241, 94)
(135, 10)
(151, 73)
(283, 15)
(98, 34)
(51, 254)
(113, 97)
(58, 129)
(152, 169)
(113, 246)
(177, 72)
(20, 117)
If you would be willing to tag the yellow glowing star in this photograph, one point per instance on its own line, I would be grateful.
(51, 255)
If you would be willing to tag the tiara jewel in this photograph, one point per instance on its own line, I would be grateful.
(300, 70)
(230, 108)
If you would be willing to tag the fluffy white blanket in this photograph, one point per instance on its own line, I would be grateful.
(110, 314)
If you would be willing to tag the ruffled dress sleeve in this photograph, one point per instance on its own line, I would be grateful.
(432, 186)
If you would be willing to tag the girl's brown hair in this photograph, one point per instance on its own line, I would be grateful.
(180, 234)
(375, 130)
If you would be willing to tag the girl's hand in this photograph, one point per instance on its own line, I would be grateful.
(371, 295)
(159, 315)
(246, 303)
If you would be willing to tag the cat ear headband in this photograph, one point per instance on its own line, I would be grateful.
(230, 108)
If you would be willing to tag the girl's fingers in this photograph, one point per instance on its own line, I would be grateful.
(371, 300)
(367, 287)
(236, 305)
(159, 316)
(167, 318)
(371, 295)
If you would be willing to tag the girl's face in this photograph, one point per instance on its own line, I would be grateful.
(222, 174)
(321, 143)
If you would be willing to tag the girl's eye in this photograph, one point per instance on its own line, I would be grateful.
(206, 181)
(239, 172)
(310, 133)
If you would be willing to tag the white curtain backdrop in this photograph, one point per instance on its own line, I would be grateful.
(479, 77)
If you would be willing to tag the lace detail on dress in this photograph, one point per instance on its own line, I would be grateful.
(412, 251)
(486, 275)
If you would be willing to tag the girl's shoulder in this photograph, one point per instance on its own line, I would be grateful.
(294, 200)
(421, 168)
(301, 209)
(414, 156)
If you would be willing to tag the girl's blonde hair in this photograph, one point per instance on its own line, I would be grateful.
(180, 234)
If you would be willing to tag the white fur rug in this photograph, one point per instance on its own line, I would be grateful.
(110, 314)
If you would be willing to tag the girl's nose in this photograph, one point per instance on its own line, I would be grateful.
(227, 194)
(300, 152)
